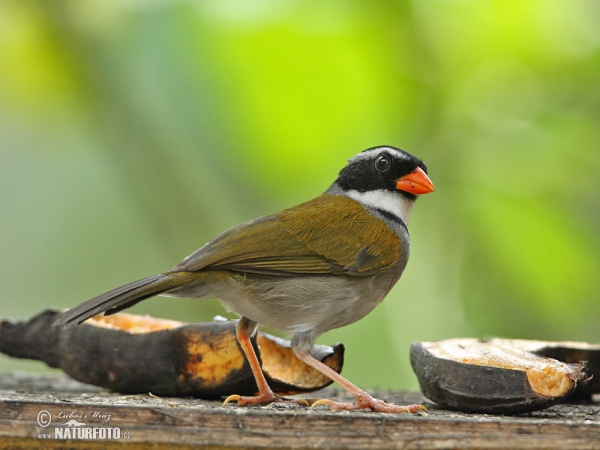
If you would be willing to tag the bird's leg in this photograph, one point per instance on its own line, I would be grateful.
(244, 330)
(363, 400)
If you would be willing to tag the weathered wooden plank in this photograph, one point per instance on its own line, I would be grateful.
(148, 422)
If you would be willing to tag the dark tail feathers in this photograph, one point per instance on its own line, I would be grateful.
(123, 297)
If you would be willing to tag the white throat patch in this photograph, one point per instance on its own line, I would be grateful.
(391, 202)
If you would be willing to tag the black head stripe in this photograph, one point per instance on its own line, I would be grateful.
(362, 175)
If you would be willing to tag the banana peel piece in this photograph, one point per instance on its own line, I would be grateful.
(568, 352)
(501, 376)
(134, 354)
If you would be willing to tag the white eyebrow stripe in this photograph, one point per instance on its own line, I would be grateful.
(375, 151)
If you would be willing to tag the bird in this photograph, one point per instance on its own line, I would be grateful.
(305, 270)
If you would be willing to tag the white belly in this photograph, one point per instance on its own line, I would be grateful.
(302, 304)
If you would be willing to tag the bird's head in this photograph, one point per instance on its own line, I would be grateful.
(385, 178)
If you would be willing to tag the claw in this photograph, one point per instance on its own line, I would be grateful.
(416, 408)
(232, 398)
(303, 402)
(260, 399)
(323, 401)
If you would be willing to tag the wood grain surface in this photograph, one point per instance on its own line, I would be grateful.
(145, 421)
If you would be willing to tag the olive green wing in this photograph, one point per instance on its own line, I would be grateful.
(341, 230)
(311, 238)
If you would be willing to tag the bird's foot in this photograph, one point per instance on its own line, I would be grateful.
(260, 399)
(368, 402)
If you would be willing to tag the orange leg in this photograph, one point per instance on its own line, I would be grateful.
(244, 330)
(363, 400)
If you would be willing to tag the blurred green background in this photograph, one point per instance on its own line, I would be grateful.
(133, 132)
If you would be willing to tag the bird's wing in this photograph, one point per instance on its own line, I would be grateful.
(325, 235)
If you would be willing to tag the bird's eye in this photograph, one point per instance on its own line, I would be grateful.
(383, 163)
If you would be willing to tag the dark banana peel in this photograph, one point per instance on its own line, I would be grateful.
(134, 354)
(503, 376)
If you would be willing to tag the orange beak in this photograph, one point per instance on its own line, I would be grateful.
(417, 182)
